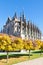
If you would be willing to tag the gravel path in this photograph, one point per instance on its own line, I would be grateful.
(38, 61)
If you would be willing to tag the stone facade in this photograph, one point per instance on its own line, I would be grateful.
(19, 27)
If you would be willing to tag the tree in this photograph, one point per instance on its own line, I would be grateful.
(28, 45)
(39, 45)
(5, 44)
(19, 44)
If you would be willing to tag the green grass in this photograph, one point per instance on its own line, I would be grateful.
(36, 55)
(38, 51)
(13, 55)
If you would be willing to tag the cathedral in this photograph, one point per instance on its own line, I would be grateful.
(21, 28)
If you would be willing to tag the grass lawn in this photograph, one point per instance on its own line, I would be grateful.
(15, 58)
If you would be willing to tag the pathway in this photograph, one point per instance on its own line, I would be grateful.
(38, 61)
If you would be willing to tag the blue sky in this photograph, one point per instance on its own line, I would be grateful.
(33, 10)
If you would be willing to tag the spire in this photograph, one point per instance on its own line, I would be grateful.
(23, 16)
(20, 17)
(8, 20)
(15, 16)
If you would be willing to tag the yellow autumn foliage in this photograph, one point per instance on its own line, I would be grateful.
(18, 44)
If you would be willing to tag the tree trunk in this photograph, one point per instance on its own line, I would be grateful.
(7, 56)
(41, 52)
(29, 54)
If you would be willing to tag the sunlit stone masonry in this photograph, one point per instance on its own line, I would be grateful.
(22, 28)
